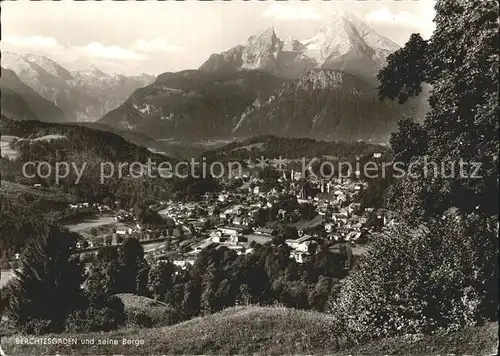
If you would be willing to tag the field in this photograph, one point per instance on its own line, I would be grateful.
(94, 226)
(184, 149)
(50, 137)
(262, 330)
(90, 222)
(10, 189)
(7, 151)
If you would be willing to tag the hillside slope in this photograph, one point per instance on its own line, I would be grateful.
(263, 330)
(20, 100)
(324, 104)
(82, 95)
(191, 103)
(291, 148)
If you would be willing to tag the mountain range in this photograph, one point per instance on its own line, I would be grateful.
(21, 102)
(192, 103)
(324, 104)
(345, 43)
(83, 96)
(323, 87)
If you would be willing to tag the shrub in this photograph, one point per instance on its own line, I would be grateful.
(100, 314)
(37, 326)
(414, 282)
(47, 287)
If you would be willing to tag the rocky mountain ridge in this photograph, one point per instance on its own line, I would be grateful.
(83, 96)
(344, 43)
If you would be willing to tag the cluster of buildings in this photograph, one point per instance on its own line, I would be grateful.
(251, 212)
(232, 218)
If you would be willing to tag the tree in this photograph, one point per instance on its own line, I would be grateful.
(407, 70)
(191, 301)
(132, 261)
(5, 261)
(168, 243)
(416, 281)
(142, 279)
(209, 288)
(460, 61)
(108, 202)
(47, 287)
(161, 280)
(98, 313)
(409, 141)
(319, 295)
(244, 296)
(178, 233)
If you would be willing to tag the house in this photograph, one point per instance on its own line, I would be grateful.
(264, 231)
(354, 208)
(237, 209)
(223, 215)
(295, 243)
(245, 252)
(304, 246)
(222, 197)
(204, 245)
(124, 231)
(183, 263)
(300, 257)
(253, 213)
(335, 237)
(237, 239)
(259, 239)
(217, 237)
(377, 155)
(297, 175)
(230, 230)
(329, 227)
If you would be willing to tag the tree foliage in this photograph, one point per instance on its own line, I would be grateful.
(444, 273)
(460, 61)
(416, 281)
(47, 287)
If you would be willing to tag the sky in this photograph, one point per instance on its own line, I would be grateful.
(153, 37)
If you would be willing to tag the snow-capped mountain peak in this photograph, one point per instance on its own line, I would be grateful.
(93, 71)
(344, 43)
(84, 95)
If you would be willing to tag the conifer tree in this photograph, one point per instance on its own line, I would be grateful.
(47, 286)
